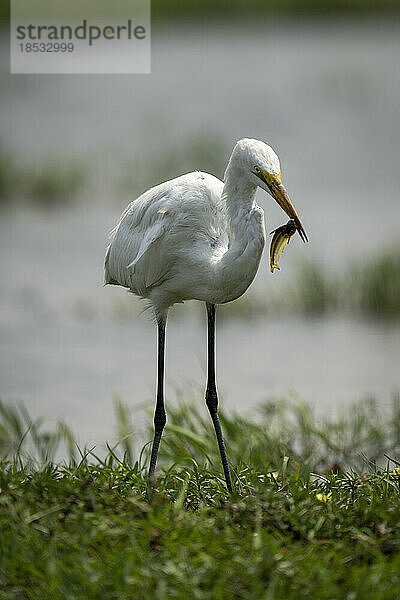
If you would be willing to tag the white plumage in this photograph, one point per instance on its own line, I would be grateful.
(196, 237)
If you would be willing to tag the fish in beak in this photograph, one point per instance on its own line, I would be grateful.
(279, 193)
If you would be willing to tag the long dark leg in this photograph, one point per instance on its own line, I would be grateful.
(211, 392)
(160, 417)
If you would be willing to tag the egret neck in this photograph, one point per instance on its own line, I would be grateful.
(246, 232)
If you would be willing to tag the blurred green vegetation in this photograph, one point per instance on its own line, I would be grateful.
(313, 291)
(6, 174)
(368, 288)
(222, 8)
(47, 185)
(373, 285)
(162, 9)
(203, 152)
(54, 184)
(84, 528)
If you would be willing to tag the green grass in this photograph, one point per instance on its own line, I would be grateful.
(297, 526)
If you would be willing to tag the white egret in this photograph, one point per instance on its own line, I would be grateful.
(196, 237)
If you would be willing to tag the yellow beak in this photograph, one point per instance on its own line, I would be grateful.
(279, 193)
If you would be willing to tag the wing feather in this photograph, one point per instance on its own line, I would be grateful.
(152, 234)
(174, 223)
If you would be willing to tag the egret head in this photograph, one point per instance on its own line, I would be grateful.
(261, 165)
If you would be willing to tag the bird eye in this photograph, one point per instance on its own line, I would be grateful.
(257, 169)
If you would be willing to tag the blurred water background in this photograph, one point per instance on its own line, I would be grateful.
(325, 93)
